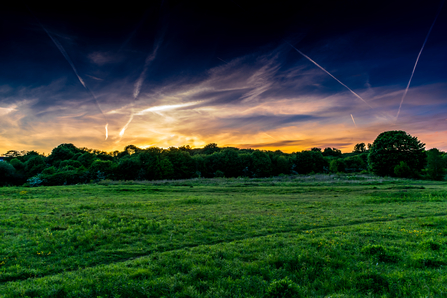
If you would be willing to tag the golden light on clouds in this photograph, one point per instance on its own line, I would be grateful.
(289, 124)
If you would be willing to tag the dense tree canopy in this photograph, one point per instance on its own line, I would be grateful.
(391, 148)
(393, 153)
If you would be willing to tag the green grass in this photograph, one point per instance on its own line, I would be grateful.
(309, 236)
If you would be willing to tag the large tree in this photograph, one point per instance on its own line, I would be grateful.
(392, 147)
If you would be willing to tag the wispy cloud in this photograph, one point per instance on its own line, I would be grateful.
(95, 78)
(151, 57)
(4, 111)
(259, 100)
(102, 58)
(164, 108)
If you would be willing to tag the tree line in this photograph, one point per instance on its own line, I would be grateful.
(393, 153)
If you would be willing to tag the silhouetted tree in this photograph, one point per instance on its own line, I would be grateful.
(132, 149)
(210, 149)
(331, 152)
(360, 148)
(392, 147)
(62, 152)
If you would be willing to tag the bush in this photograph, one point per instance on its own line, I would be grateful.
(35, 181)
(63, 178)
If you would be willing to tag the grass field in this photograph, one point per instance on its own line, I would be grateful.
(303, 236)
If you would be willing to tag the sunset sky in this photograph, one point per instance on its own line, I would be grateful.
(171, 73)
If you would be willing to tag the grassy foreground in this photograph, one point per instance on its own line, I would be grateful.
(314, 236)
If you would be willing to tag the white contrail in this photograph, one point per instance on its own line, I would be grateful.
(222, 60)
(353, 120)
(165, 108)
(107, 132)
(417, 60)
(155, 109)
(308, 58)
(125, 126)
(140, 80)
(64, 53)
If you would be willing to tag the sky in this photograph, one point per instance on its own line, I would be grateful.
(285, 75)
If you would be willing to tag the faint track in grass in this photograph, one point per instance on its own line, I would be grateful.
(145, 255)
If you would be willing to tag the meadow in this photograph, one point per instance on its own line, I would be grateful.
(289, 236)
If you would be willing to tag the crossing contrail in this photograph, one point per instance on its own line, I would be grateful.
(353, 120)
(417, 60)
(64, 53)
(308, 58)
